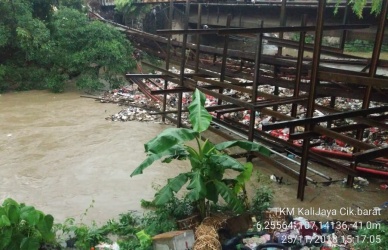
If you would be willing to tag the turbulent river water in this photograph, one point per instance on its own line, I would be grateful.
(58, 153)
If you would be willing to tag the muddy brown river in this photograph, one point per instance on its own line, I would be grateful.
(59, 154)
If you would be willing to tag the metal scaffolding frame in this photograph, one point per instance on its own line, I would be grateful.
(309, 76)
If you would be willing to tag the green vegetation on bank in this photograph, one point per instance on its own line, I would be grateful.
(43, 45)
(362, 46)
(350, 46)
(24, 227)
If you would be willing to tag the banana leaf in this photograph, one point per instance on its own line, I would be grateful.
(229, 196)
(243, 177)
(169, 138)
(199, 117)
(247, 145)
(151, 158)
(226, 162)
(197, 187)
(173, 185)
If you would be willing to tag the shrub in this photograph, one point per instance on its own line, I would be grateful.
(24, 227)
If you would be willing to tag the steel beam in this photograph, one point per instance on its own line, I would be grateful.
(226, 98)
(373, 68)
(256, 77)
(303, 135)
(318, 119)
(282, 101)
(145, 76)
(299, 65)
(224, 57)
(352, 141)
(198, 38)
(220, 107)
(353, 79)
(370, 154)
(241, 31)
(223, 84)
(366, 121)
(170, 91)
(312, 93)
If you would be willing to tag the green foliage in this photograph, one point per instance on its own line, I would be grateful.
(85, 236)
(129, 10)
(373, 238)
(358, 6)
(60, 46)
(92, 50)
(82, 235)
(208, 164)
(362, 46)
(308, 38)
(132, 230)
(176, 208)
(144, 238)
(261, 201)
(262, 179)
(158, 221)
(24, 227)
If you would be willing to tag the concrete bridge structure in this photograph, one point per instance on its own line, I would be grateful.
(248, 14)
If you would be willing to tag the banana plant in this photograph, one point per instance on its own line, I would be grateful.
(208, 162)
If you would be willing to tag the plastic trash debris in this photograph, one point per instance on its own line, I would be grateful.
(105, 246)
(276, 179)
(385, 205)
(383, 186)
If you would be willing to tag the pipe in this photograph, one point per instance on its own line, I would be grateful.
(372, 171)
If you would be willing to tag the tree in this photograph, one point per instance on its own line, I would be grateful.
(89, 50)
(358, 6)
(40, 48)
(129, 10)
(22, 38)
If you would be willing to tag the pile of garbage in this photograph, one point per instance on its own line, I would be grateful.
(132, 114)
(121, 96)
(132, 96)
(137, 105)
(358, 184)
